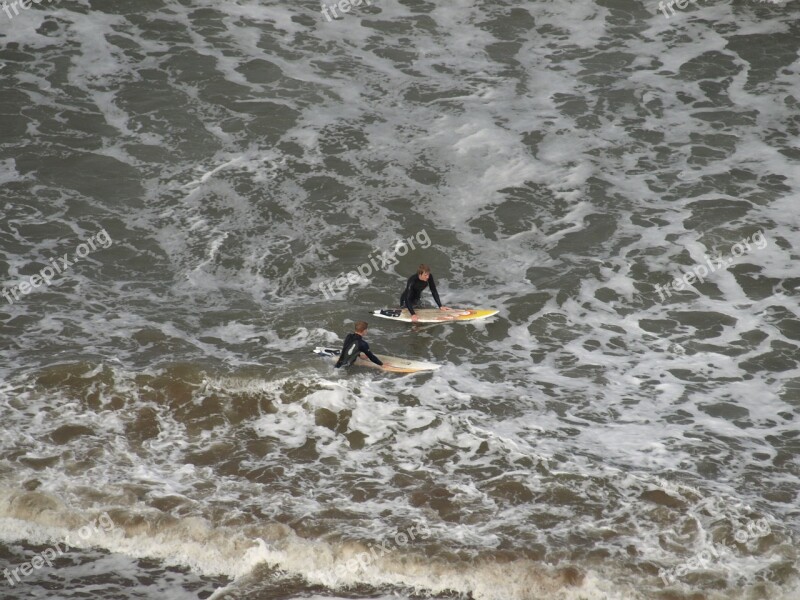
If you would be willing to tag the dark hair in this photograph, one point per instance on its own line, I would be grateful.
(422, 269)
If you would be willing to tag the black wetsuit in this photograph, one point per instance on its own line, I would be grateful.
(353, 345)
(414, 286)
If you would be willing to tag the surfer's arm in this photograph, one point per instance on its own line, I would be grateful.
(364, 347)
(373, 358)
(409, 295)
(434, 293)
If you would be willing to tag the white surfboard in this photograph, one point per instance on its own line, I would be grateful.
(391, 364)
(434, 315)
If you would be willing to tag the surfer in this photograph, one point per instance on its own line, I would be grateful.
(354, 344)
(414, 286)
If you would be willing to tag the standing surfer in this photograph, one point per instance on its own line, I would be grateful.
(354, 344)
(414, 287)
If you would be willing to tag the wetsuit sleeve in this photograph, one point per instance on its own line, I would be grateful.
(364, 347)
(409, 295)
(434, 293)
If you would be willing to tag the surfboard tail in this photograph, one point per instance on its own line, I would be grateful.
(322, 351)
(434, 315)
(391, 364)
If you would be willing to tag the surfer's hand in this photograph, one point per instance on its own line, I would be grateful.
(414, 318)
(444, 308)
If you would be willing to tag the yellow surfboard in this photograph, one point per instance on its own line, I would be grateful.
(391, 364)
(434, 315)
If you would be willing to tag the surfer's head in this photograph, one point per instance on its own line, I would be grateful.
(361, 327)
(423, 272)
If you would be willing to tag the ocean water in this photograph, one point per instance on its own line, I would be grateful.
(193, 177)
